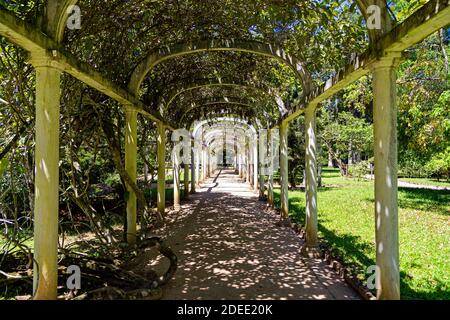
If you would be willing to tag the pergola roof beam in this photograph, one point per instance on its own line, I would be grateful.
(37, 43)
(259, 48)
(431, 17)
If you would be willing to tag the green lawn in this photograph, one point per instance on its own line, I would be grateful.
(347, 224)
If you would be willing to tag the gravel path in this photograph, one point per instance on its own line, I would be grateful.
(230, 248)
(405, 184)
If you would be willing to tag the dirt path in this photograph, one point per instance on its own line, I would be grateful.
(229, 248)
(406, 184)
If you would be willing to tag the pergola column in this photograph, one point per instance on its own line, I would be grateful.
(247, 159)
(176, 184)
(385, 151)
(270, 190)
(236, 156)
(198, 159)
(262, 155)
(193, 166)
(255, 164)
(239, 169)
(241, 164)
(250, 166)
(186, 180)
(262, 185)
(272, 168)
(207, 163)
(284, 128)
(161, 157)
(311, 247)
(130, 167)
(204, 165)
(210, 165)
(46, 203)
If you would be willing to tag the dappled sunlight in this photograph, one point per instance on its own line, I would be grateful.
(230, 248)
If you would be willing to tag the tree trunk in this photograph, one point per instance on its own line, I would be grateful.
(330, 159)
(441, 36)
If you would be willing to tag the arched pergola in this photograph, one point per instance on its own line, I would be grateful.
(208, 84)
(247, 156)
(50, 59)
(262, 49)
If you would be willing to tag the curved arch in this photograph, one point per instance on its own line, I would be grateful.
(215, 105)
(220, 100)
(230, 139)
(210, 133)
(234, 101)
(387, 18)
(229, 112)
(154, 58)
(221, 120)
(56, 17)
(278, 100)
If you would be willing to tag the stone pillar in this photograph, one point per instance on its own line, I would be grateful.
(235, 158)
(284, 179)
(311, 247)
(198, 160)
(247, 159)
(204, 165)
(186, 180)
(46, 203)
(239, 165)
(255, 164)
(270, 191)
(161, 157)
(210, 165)
(262, 184)
(271, 169)
(176, 185)
(262, 156)
(130, 167)
(386, 206)
(193, 164)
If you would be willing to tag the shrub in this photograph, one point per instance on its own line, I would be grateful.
(439, 165)
(359, 170)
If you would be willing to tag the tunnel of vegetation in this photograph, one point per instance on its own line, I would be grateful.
(137, 70)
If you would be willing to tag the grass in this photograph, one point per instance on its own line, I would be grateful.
(347, 225)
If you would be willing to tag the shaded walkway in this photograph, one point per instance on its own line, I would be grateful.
(229, 248)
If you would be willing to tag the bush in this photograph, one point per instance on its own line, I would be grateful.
(439, 165)
(113, 179)
(359, 170)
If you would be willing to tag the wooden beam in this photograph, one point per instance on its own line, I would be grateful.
(38, 44)
(262, 49)
(55, 18)
(431, 17)
(23, 34)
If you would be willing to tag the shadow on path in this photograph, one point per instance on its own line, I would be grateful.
(228, 247)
